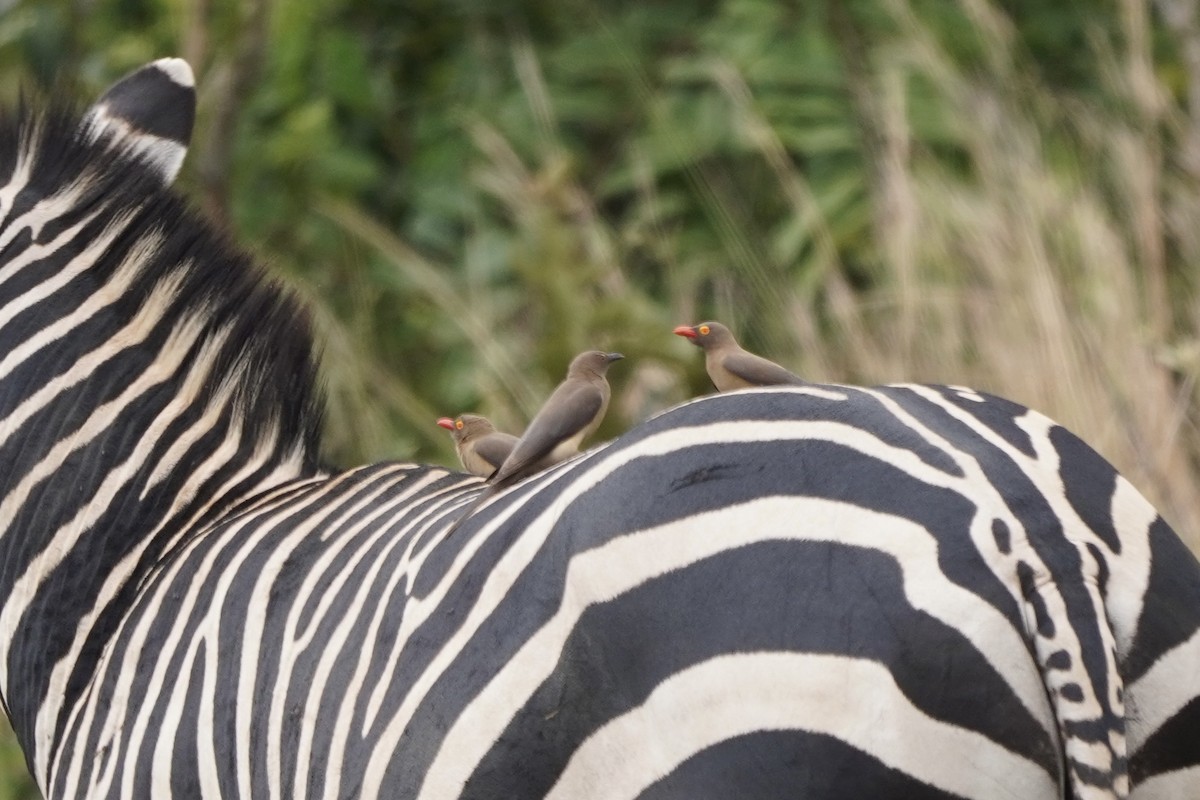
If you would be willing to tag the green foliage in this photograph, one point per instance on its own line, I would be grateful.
(15, 783)
(1000, 193)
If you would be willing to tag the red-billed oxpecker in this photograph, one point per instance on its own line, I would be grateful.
(481, 448)
(569, 416)
(729, 366)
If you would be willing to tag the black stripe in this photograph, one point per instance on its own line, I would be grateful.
(1175, 745)
(1002, 536)
(1029, 589)
(1171, 605)
(185, 761)
(997, 414)
(1090, 482)
(787, 764)
(1060, 659)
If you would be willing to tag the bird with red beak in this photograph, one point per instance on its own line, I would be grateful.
(729, 366)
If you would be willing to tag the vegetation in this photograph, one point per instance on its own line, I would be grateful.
(1000, 193)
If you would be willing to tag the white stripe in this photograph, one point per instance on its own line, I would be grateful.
(177, 69)
(849, 699)
(1129, 570)
(623, 564)
(163, 154)
(165, 737)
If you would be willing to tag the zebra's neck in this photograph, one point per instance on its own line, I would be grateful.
(149, 379)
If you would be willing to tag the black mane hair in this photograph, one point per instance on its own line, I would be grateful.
(269, 352)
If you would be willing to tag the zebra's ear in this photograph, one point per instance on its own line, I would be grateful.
(150, 111)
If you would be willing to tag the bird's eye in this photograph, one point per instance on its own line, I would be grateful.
(704, 330)
(458, 424)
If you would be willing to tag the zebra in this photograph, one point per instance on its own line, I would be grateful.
(822, 591)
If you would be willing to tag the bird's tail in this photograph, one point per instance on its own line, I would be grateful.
(488, 491)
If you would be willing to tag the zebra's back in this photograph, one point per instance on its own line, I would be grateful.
(825, 591)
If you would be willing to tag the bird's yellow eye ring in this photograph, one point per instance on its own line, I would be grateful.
(458, 424)
(704, 330)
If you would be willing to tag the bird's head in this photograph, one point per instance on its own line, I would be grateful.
(705, 334)
(466, 426)
(593, 361)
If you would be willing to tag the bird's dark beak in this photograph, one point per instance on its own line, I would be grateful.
(686, 330)
(613, 357)
(446, 422)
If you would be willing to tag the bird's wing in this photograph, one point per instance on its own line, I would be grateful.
(567, 412)
(759, 371)
(495, 447)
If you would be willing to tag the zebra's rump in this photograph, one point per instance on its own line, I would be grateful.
(819, 592)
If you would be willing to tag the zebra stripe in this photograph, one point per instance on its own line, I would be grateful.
(797, 692)
(824, 591)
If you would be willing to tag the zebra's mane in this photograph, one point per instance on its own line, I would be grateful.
(265, 359)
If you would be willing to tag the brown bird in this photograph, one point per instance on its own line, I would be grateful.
(481, 448)
(728, 365)
(571, 413)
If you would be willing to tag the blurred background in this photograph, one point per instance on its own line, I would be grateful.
(999, 193)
